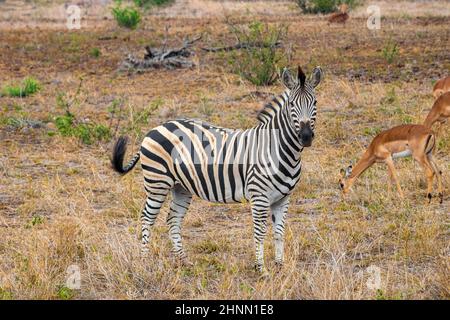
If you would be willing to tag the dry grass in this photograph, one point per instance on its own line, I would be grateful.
(61, 204)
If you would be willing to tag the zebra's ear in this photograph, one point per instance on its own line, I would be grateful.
(316, 76)
(287, 79)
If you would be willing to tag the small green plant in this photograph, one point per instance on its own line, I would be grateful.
(126, 17)
(36, 220)
(390, 51)
(28, 86)
(324, 6)
(5, 294)
(261, 58)
(65, 293)
(95, 52)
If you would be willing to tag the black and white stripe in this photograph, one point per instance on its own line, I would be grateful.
(261, 164)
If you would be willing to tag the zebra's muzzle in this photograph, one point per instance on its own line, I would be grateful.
(306, 135)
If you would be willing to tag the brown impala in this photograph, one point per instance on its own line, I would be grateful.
(401, 141)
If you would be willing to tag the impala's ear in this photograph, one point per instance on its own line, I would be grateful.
(287, 79)
(348, 171)
(316, 76)
(342, 171)
(301, 77)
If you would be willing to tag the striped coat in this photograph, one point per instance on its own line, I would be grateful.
(262, 164)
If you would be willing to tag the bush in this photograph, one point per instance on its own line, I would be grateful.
(258, 64)
(152, 3)
(324, 6)
(27, 87)
(68, 126)
(86, 132)
(126, 17)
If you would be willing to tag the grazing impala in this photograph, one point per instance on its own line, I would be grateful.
(442, 86)
(398, 142)
(439, 112)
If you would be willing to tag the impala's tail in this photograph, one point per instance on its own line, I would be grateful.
(120, 147)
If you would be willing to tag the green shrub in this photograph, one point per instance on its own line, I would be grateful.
(95, 52)
(390, 51)
(258, 64)
(127, 17)
(152, 3)
(86, 132)
(324, 6)
(28, 86)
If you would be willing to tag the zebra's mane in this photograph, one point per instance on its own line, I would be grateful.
(271, 108)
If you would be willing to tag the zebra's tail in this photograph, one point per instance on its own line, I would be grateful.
(120, 147)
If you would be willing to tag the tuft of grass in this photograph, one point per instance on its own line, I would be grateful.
(36, 220)
(390, 51)
(126, 17)
(95, 52)
(65, 293)
(28, 87)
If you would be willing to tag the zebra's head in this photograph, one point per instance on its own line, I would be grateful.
(302, 102)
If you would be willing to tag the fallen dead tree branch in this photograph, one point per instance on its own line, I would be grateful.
(245, 45)
(163, 57)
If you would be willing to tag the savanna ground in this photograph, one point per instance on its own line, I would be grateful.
(62, 205)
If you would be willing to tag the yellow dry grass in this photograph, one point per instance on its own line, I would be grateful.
(61, 204)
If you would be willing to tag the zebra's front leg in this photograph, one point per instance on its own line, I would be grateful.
(279, 211)
(181, 199)
(260, 211)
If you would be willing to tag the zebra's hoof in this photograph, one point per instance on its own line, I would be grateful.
(278, 264)
(185, 262)
(144, 253)
(264, 274)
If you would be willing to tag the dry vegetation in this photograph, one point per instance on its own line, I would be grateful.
(61, 204)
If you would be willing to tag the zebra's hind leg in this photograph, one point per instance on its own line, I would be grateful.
(279, 210)
(260, 210)
(152, 207)
(181, 199)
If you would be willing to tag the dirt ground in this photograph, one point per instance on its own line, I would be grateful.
(63, 208)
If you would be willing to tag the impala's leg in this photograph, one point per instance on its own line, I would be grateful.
(438, 175)
(260, 210)
(279, 210)
(393, 174)
(429, 172)
(181, 199)
(437, 134)
(152, 207)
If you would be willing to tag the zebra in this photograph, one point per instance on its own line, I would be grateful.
(260, 165)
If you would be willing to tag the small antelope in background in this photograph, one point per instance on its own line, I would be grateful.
(398, 142)
(439, 112)
(339, 17)
(441, 86)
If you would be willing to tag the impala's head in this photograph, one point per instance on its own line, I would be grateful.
(302, 102)
(344, 182)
